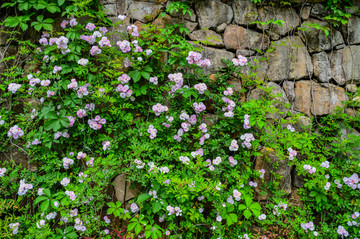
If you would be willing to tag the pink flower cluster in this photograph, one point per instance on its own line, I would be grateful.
(134, 208)
(124, 46)
(96, 122)
(253, 184)
(199, 152)
(178, 79)
(106, 145)
(79, 225)
(13, 87)
(289, 127)
(158, 109)
(195, 58)
(137, 47)
(83, 62)
(124, 78)
(308, 226)
(173, 210)
(83, 91)
(199, 107)
(292, 153)
(24, 187)
(134, 30)
(239, 61)
(352, 181)
(33, 81)
(124, 91)
(234, 145)
(64, 134)
(81, 113)
(248, 137)
(104, 42)
(152, 131)
(184, 159)
(262, 172)
(153, 80)
(57, 69)
(247, 122)
(232, 161)
(90, 26)
(95, 50)
(228, 91)
(201, 87)
(309, 168)
(73, 84)
(65, 182)
(342, 231)
(81, 155)
(325, 164)
(15, 132)
(67, 162)
(327, 186)
(14, 227)
(90, 39)
(2, 172)
(229, 108)
(71, 194)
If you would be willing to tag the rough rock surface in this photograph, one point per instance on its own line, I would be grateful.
(213, 13)
(288, 15)
(351, 64)
(245, 12)
(352, 30)
(236, 37)
(144, 11)
(289, 60)
(315, 39)
(122, 189)
(322, 70)
(207, 37)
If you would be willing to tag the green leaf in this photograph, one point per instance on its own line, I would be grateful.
(131, 226)
(242, 207)
(23, 26)
(143, 197)
(40, 18)
(53, 8)
(156, 206)
(40, 199)
(247, 213)
(313, 194)
(145, 74)
(61, 2)
(45, 205)
(47, 192)
(143, 89)
(248, 201)
(135, 75)
(255, 206)
(137, 229)
(52, 125)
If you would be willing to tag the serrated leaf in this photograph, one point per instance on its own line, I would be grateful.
(247, 213)
(45, 205)
(131, 226)
(248, 201)
(47, 192)
(137, 229)
(255, 206)
(135, 75)
(156, 206)
(242, 207)
(40, 199)
(143, 197)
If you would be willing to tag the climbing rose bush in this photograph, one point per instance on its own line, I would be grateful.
(142, 105)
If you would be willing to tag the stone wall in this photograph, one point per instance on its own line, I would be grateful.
(312, 70)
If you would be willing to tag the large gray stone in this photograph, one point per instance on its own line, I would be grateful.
(236, 37)
(289, 88)
(322, 70)
(110, 9)
(161, 22)
(336, 63)
(303, 101)
(315, 39)
(352, 30)
(351, 64)
(289, 60)
(288, 15)
(144, 11)
(207, 37)
(123, 189)
(327, 99)
(212, 13)
(245, 12)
